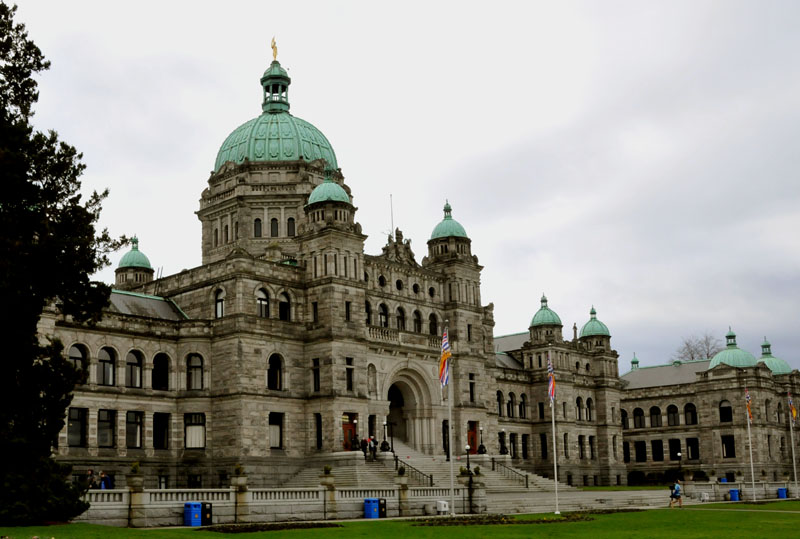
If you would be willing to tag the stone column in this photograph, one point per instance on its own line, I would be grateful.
(137, 510)
(401, 484)
(328, 488)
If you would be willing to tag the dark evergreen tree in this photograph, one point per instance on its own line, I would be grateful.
(49, 248)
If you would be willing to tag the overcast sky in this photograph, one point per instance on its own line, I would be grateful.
(641, 157)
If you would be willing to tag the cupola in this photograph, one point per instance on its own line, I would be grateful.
(594, 334)
(329, 205)
(634, 362)
(449, 240)
(134, 268)
(776, 365)
(732, 355)
(545, 325)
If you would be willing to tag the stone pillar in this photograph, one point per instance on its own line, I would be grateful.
(328, 488)
(401, 484)
(241, 512)
(137, 510)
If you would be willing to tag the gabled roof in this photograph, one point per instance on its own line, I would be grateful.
(505, 361)
(664, 375)
(136, 304)
(504, 343)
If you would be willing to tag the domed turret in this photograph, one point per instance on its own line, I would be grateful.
(449, 227)
(732, 356)
(328, 190)
(134, 268)
(776, 365)
(545, 316)
(634, 362)
(449, 240)
(594, 326)
(329, 205)
(545, 325)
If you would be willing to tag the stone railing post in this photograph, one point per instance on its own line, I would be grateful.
(327, 483)
(241, 508)
(401, 484)
(137, 510)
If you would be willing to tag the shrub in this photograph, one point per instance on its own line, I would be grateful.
(326, 469)
(401, 470)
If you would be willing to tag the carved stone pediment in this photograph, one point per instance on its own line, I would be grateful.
(399, 250)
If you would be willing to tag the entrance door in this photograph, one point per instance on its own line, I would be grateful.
(472, 436)
(349, 422)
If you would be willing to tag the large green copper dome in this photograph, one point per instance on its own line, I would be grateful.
(134, 258)
(449, 226)
(545, 316)
(732, 356)
(776, 365)
(328, 190)
(594, 326)
(276, 135)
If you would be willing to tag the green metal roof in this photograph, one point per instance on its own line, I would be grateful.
(134, 258)
(776, 365)
(276, 135)
(732, 355)
(594, 326)
(328, 190)
(545, 316)
(449, 226)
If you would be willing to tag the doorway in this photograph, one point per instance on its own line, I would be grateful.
(472, 436)
(350, 440)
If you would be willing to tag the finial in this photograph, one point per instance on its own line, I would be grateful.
(135, 243)
(274, 49)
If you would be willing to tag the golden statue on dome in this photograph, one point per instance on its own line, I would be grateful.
(274, 49)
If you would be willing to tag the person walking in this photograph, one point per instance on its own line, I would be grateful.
(676, 495)
(91, 482)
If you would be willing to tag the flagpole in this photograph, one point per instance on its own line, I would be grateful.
(750, 442)
(791, 439)
(555, 454)
(450, 447)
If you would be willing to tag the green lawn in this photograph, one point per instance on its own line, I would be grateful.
(708, 520)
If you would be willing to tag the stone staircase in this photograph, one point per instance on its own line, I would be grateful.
(351, 472)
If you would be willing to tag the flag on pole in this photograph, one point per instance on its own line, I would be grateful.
(747, 400)
(551, 381)
(792, 409)
(444, 363)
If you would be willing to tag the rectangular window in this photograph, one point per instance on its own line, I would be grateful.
(134, 423)
(769, 445)
(347, 316)
(105, 428)
(318, 429)
(275, 430)
(194, 480)
(674, 449)
(543, 441)
(105, 372)
(315, 373)
(657, 448)
(581, 451)
(195, 430)
(76, 427)
(693, 448)
(163, 482)
(161, 425)
(315, 311)
(472, 387)
(728, 447)
(541, 410)
(626, 451)
(349, 373)
(525, 442)
(591, 447)
(469, 332)
(641, 451)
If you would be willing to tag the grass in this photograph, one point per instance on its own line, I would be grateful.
(708, 520)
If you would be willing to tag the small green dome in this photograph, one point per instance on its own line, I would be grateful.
(776, 365)
(328, 190)
(276, 135)
(545, 316)
(594, 326)
(449, 226)
(134, 258)
(732, 355)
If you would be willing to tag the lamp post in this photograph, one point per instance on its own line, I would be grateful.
(466, 448)
(384, 443)
(503, 448)
(391, 435)
(481, 448)
(680, 466)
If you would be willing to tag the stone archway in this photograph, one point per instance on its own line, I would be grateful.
(410, 410)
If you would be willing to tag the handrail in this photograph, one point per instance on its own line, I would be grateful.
(418, 475)
(510, 472)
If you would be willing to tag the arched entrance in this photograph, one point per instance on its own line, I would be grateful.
(411, 416)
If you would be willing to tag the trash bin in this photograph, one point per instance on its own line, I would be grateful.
(206, 519)
(782, 493)
(734, 492)
(723, 479)
(370, 507)
(191, 513)
(382, 507)
(442, 507)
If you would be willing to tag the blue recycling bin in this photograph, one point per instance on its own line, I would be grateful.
(192, 513)
(782, 493)
(370, 507)
(723, 479)
(734, 492)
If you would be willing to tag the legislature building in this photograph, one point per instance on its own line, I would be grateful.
(290, 344)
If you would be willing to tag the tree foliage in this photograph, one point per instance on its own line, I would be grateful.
(48, 249)
(695, 348)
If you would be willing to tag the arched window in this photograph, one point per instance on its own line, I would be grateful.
(614, 446)
(673, 416)
(500, 403)
(161, 372)
(219, 304)
(655, 416)
(566, 445)
(216, 237)
(579, 408)
(779, 413)
(433, 324)
(638, 418)
(690, 414)
(78, 356)
(273, 227)
(589, 409)
(284, 307)
(368, 311)
(401, 319)
(372, 380)
(106, 365)
(274, 370)
(511, 405)
(133, 369)
(767, 406)
(624, 414)
(725, 412)
(257, 228)
(290, 226)
(262, 303)
(194, 371)
(236, 230)
(225, 234)
(383, 315)
(523, 406)
(417, 322)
